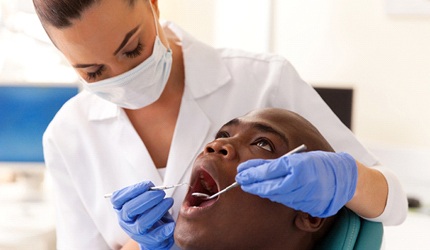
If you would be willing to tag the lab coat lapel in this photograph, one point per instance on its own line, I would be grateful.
(135, 152)
(193, 124)
(190, 134)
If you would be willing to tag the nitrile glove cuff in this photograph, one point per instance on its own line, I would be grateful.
(346, 183)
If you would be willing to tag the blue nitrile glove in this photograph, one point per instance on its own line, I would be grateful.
(319, 183)
(144, 215)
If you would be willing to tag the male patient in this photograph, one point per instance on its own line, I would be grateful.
(239, 220)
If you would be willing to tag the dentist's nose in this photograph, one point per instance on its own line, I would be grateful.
(222, 148)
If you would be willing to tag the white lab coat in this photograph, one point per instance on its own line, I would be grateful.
(91, 148)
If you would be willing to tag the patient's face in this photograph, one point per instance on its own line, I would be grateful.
(237, 219)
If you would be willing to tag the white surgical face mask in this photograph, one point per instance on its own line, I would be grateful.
(141, 85)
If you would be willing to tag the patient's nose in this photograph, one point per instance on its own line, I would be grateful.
(222, 148)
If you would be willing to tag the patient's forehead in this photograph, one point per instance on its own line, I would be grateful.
(275, 114)
(280, 119)
(297, 129)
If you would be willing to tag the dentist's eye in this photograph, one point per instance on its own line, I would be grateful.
(92, 76)
(222, 134)
(265, 144)
(136, 52)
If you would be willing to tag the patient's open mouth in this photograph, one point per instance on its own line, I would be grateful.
(204, 183)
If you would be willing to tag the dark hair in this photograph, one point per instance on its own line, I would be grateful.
(60, 13)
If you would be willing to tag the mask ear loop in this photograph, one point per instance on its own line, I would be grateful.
(156, 26)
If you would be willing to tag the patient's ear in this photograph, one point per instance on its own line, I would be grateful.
(307, 223)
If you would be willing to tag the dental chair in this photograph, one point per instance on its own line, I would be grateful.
(350, 232)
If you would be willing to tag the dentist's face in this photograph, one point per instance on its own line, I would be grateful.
(110, 38)
(237, 219)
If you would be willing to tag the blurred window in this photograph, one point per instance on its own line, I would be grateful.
(26, 53)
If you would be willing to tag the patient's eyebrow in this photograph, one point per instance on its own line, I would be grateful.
(260, 127)
(268, 129)
(235, 121)
(126, 38)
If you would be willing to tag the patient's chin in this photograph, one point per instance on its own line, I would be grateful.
(186, 239)
(190, 236)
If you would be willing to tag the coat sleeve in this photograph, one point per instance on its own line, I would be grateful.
(293, 93)
(75, 228)
(397, 206)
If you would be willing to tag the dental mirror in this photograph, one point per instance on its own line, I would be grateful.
(235, 184)
(208, 197)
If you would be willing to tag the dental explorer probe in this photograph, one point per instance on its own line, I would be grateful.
(235, 184)
(155, 188)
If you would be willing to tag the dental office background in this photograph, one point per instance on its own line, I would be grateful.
(378, 48)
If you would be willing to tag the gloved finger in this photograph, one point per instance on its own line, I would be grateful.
(146, 220)
(293, 198)
(167, 218)
(265, 189)
(266, 171)
(250, 164)
(164, 245)
(158, 238)
(140, 205)
(168, 243)
(160, 234)
(283, 194)
(291, 180)
(120, 197)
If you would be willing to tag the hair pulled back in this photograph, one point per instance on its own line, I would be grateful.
(61, 13)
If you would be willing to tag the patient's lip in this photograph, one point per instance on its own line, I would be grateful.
(192, 212)
(206, 165)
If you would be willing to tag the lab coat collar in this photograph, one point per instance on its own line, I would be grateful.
(100, 109)
(135, 153)
(188, 140)
(205, 71)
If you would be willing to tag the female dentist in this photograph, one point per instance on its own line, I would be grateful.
(153, 96)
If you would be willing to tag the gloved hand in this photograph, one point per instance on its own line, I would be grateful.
(144, 215)
(319, 183)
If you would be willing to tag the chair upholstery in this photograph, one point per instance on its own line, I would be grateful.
(351, 232)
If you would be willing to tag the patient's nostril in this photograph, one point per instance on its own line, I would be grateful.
(209, 150)
(218, 147)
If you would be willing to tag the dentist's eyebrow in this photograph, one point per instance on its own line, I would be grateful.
(126, 38)
(81, 66)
